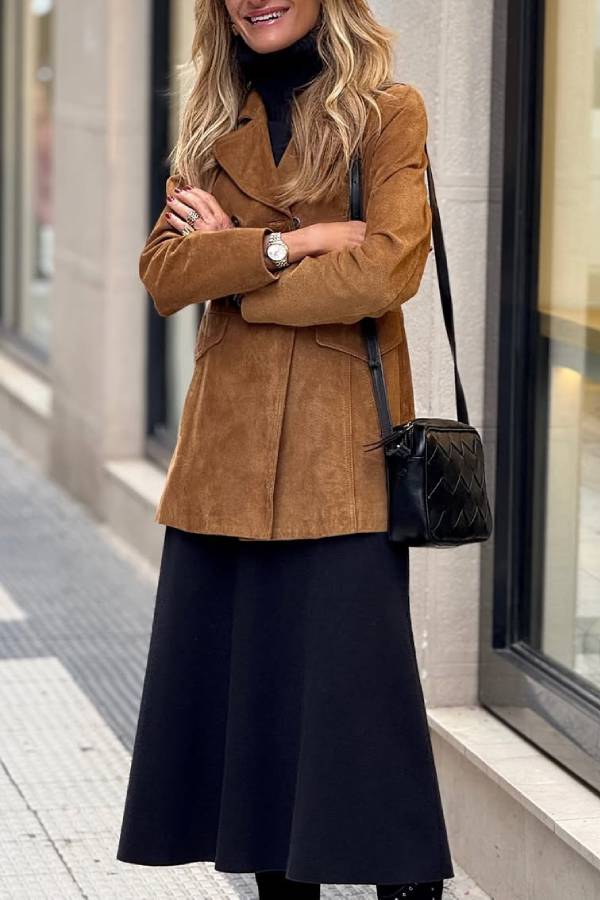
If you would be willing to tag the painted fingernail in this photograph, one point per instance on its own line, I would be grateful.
(177, 190)
(168, 215)
(188, 187)
(169, 197)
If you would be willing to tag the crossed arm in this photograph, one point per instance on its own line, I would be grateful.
(387, 267)
(343, 285)
(178, 270)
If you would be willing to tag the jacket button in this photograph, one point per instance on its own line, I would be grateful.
(296, 221)
(235, 221)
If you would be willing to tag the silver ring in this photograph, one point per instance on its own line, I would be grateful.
(192, 217)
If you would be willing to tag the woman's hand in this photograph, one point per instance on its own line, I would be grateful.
(312, 240)
(188, 199)
(327, 236)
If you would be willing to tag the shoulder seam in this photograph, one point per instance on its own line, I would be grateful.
(411, 97)
(410, 90)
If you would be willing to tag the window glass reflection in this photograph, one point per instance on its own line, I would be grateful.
(27, 168)
(567, 625)
(39, 224)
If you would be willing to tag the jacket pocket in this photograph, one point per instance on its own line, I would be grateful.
(211, 330)
(349, 338)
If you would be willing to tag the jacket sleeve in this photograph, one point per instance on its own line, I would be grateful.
(386, 268)
(177, 269)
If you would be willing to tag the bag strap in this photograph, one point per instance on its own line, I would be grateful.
(369, 324)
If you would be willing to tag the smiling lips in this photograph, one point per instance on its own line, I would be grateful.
(267, 16)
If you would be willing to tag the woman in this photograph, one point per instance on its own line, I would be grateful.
(282, 726)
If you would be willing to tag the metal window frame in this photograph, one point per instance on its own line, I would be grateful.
(159, 442)
(157, 448)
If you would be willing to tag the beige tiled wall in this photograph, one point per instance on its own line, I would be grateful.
(99, 316)
(445, 49)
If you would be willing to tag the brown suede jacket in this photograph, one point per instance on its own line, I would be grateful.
(280, 403)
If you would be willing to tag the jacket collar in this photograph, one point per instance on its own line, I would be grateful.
(245, 154)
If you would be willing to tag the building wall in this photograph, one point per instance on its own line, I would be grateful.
(99, 306)
(445, 49)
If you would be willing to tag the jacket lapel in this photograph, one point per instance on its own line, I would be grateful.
(246, 154)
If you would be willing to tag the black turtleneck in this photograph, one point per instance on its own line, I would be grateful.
(276, 76)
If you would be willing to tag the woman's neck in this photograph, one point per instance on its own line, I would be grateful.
(278, 74)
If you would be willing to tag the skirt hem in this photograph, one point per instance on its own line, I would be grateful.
(302, 875)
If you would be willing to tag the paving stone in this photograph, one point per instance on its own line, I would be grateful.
(40, 886)
(34, 854)
(90, 793)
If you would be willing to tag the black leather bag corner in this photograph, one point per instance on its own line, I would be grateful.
(435, 468)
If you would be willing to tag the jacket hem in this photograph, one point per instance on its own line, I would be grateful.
(196, 525)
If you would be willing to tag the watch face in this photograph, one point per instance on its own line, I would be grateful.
(276, 252)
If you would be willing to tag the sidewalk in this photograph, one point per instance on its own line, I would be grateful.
(75, 613)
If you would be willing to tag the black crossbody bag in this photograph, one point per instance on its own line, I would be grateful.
(434, 467)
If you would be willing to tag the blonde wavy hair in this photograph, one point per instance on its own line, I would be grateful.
(328, 116)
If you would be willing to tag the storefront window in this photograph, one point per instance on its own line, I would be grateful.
(540, 613)
(181, 328)
(27, 169)
(566, 624)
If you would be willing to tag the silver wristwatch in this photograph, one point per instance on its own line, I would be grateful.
(277, 250)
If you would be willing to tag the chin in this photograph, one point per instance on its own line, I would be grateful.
(271, 46)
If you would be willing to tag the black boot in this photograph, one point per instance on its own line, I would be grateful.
(411, 890)
(274, 885)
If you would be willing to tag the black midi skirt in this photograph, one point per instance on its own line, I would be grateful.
(282, 723)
